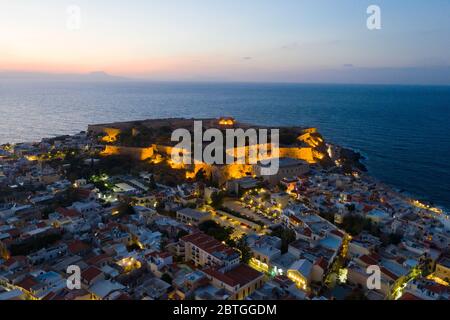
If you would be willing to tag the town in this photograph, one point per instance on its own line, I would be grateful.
(111, 201)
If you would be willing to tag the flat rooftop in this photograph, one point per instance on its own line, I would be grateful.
(195, 214)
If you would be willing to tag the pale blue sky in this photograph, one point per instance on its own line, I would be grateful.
(251, 40)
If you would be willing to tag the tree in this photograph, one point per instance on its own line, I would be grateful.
(355, 224)
(350, 207)
(152, 183)
(4, 253)
(213, 229)
(28, 246)
(124, 209)
(181, 234)
(200, 175)
(217, 199)
(246, 252)
(356, 294)
(167, 278)
(391, 238)
(286, 235)
(328, 215)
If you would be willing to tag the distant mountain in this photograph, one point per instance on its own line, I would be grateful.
(43, 76)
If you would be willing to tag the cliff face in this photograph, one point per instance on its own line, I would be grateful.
(345, 159)
(352, 159)
(312, 138)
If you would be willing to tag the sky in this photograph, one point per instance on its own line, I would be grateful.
(230, 40)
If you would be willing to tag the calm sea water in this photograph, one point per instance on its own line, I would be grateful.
(403, 131)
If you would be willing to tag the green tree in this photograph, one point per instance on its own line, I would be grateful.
(213, 229)
(356, 294)
(286, 235)
(217, 199)
(246, 252)
(167, 278)
(355, 224)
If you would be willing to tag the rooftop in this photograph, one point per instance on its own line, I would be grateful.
(240, 275)
(210, 245)
(193, 213)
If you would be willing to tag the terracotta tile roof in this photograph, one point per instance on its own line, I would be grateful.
(375, 256)
(409, 296)
(27, 283)
(12, 260)
(71, 213)
(307, 232)
(208, 244)
(368, 260)
(437, 288)
(321, 262)
(77, 246)
(83, 193)
(95, 260)
(337, 233)
(160, 254)
(165, 255)
(41, 224)
(90, 273)
(14, 233)
(240, 275)
(295, 219)
(368, 208)
(65, 294)
(124, 296)
(50, 296)
(388, 273)
(9, 262)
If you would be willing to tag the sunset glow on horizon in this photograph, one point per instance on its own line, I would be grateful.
(225, 40)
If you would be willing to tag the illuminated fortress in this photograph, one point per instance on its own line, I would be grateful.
(150, 140)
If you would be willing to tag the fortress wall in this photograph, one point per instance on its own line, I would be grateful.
(135, 153)
(298, 153)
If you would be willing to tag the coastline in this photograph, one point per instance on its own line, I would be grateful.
(366, 172)
(121, 183)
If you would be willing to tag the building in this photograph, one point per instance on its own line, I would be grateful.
(48, 254)
(265, 250)
(86, 208)
(105, 290)
(204, 250)
(287, 168)
(240, 281)
(191, 216)
(378, 216)
(443, 269)
(300, 273)
(238, 186)
(92, 275)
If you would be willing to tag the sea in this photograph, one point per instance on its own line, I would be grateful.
(402, 131)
